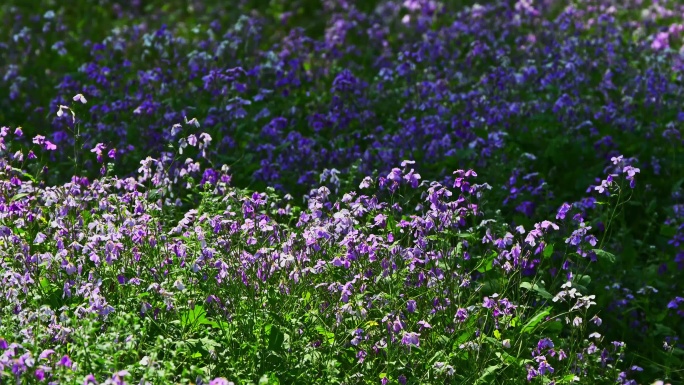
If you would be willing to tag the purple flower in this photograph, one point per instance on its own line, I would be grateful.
(544, 366)
(366, 182)
(65, 361)
(89, 380)
(412, 178)
(674, 304)
(394, 175)
(591, 240)
(46, 354)
(546, 224)
(531, 238)
(411, 306)
(461, 314)
(50, 146)
(380, 220)
(361, 356)
(397, 325)
(220, 381)
(661, 41)
(411, 339)
(544, 343)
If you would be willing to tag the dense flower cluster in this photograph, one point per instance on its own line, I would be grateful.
(342, 191)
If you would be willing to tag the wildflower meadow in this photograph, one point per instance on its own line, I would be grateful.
(341, 192)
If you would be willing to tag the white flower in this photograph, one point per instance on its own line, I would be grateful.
(192, 121)
(175, 129)
(60, 113)
(40, 238)
(179, 285)
(595, 335)
(80, 98)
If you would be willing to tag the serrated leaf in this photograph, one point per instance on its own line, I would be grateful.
(605, 256)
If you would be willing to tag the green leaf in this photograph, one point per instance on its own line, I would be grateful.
(582, 279)
(604, 256)
(668, 231)
(437, 356)
(662, 330)
(568, 378)
(511, 360)
(539, 289)
(329, 337)
(487, 373)
(208, 343)
(492, 286)
(553, 328)
(18, 196)
(534, 321)
(548, 250)
(194, 317)
(275, 338)
(27, 175)
(487, 265)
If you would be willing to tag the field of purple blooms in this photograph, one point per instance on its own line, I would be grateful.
(341, 192)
